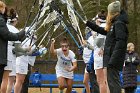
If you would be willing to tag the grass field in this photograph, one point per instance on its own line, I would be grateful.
(46, 90)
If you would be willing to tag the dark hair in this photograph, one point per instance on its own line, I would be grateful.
(12, 17)
(12, 14)
(102, 15)
(64, 40)
(102, 11)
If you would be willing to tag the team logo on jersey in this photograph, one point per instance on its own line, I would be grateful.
(65, 59)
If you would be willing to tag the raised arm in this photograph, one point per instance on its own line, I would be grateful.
(52, 50)
(87, 44)
(96, 28)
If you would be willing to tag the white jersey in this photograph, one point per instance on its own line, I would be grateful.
(87, 52)
(64, 62)
(11, 56)
(98, 60)
(96, 48)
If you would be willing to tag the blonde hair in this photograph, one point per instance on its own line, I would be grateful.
(2, 6)
(129, 45)
(109, 19)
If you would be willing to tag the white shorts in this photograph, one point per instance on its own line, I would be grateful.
(13, 73)
(21, 66)
(11, 59)
(86, 59)
(9, 66)
(60, 73)
(98, 62)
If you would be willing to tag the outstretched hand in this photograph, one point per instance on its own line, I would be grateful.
(84, 42)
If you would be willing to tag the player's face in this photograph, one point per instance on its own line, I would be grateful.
(65, 47)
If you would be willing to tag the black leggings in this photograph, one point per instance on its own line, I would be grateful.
(130, 90)
(113, 80)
